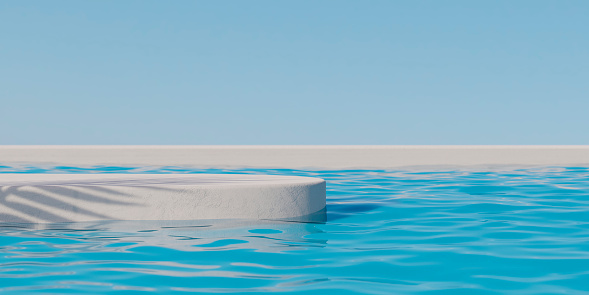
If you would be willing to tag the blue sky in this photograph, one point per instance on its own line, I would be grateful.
(294, 72)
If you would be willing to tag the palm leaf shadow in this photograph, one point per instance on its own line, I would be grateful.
(14, 210)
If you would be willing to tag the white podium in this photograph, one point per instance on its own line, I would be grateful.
(48, 198)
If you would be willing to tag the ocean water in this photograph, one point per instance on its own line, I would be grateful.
(511, 231)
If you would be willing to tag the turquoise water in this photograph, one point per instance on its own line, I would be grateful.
(387, 232)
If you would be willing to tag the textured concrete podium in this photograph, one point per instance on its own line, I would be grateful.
(43, 198)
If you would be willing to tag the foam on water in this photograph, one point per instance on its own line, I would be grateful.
(516, 231)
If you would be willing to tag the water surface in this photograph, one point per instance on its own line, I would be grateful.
(517, 231)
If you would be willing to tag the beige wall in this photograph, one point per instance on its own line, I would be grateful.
(326, 157)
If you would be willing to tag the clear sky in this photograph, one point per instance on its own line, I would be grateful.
(294, 72)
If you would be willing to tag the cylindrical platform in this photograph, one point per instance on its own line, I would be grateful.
(43, 198)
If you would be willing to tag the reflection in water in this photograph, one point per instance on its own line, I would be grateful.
(128, 255)
(191, 235)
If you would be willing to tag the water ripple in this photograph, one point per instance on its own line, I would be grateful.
(510, 231)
